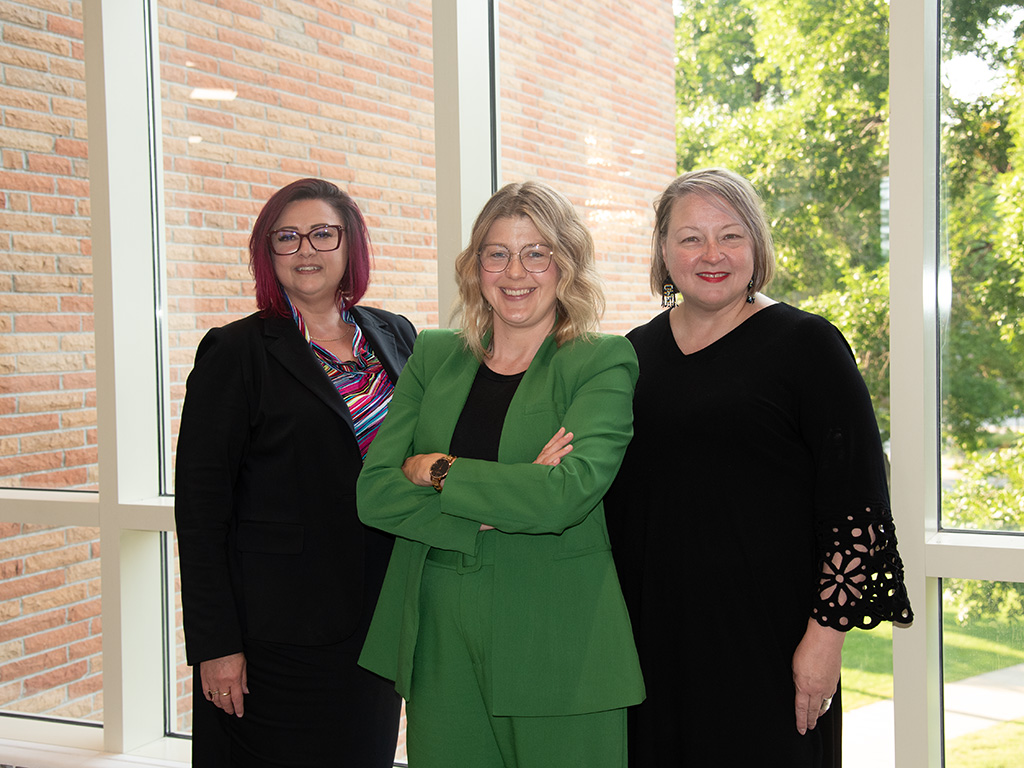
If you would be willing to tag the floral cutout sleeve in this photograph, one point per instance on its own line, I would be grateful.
(861, 572)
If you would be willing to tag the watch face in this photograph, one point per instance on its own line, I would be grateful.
(439, 468)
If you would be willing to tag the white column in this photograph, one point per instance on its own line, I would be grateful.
(913, 41)
(465, 131)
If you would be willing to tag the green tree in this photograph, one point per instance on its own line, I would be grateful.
(793, 94)
(982, 350)
(988, 496)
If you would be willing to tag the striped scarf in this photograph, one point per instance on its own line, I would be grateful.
(362, 383)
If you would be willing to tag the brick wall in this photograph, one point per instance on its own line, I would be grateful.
(50, 633)
(588, 105)
(336, 89)
(47, 379)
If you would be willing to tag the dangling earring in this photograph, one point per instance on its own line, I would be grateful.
(668, 294)
(750, 298)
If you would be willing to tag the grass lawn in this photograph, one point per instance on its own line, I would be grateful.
(967, 651)
(867, 666)
(996, 747)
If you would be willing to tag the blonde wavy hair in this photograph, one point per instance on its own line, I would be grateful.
(580, 299)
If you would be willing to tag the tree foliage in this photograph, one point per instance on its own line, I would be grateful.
(988, 496)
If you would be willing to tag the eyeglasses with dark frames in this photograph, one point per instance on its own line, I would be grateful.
(284, 242)
(496, 257)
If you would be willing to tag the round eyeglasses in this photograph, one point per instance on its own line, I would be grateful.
(534, 258)
(284, 242)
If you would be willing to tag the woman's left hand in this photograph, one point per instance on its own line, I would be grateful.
(816, 666)
(555, 449)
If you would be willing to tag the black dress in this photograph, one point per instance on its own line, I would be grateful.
(753, 461)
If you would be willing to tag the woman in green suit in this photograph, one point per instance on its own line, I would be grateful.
(501, 619)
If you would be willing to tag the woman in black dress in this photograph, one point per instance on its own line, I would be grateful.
(750, 520)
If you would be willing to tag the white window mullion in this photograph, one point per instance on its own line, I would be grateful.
(913, 34)
(123, 156)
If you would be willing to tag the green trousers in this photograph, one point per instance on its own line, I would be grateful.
(449, 721)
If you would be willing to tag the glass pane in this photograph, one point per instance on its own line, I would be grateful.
(47, 368)
(180, 687)
(51, 660)
(981, 282)
(868, 732)
(574, 114)
(983, 673)
(255, 97)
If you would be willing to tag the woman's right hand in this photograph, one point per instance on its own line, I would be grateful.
(555, 449)
(417, 468)
(225, 682)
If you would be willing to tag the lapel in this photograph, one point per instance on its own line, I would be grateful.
(445, 389)
(381, 339)
(281, 336)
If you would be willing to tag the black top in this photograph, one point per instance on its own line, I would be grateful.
(754, 461)
(477, 433)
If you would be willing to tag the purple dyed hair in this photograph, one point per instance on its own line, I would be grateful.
(269, 296)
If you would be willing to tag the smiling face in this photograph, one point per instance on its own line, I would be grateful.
(520, 300)
(310, 277)
(708, 252)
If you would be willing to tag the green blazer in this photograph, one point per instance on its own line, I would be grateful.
(562, 640)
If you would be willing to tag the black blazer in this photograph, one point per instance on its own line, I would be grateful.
(269, 543)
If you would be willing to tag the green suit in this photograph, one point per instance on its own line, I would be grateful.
(562, 643)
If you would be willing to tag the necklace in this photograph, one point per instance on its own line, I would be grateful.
(314, 338)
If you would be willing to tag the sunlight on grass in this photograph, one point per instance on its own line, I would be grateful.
(967, 651)
(997, 747)
(978, 648)
(867, 666)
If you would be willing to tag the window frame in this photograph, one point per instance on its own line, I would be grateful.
(132, 515)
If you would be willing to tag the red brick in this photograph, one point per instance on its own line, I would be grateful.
(33, 664)
(88, 647)
(56, 677)
(31, 585)
(65, 27)
(64, 636)
(89, 685)
(31, 625)
(83, 610)
(22, 464)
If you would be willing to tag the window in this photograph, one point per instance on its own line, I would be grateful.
(175, 181)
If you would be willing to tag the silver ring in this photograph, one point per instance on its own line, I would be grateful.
(825, 704)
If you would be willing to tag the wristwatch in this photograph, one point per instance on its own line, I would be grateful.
(439, 471)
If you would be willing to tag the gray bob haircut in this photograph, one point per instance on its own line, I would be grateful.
(737, 193)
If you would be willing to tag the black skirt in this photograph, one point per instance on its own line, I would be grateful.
(307, 707)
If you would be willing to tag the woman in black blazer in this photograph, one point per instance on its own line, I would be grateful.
(278, 576)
